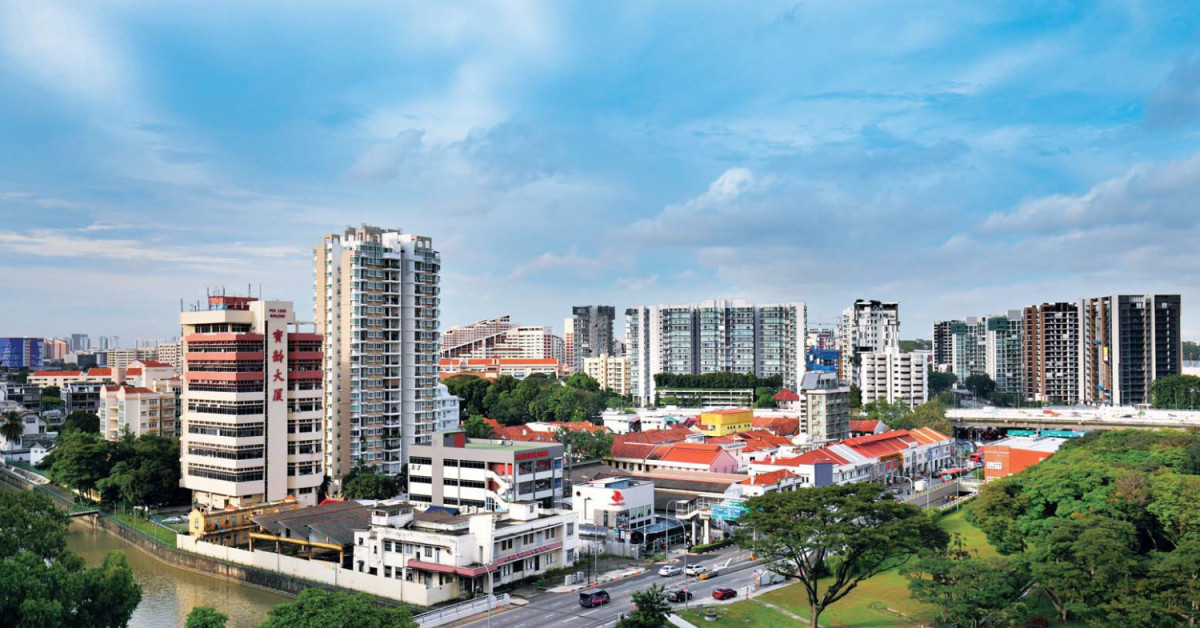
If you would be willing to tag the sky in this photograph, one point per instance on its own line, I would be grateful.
(962, 158)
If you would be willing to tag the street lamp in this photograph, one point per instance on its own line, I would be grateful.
(668, 539)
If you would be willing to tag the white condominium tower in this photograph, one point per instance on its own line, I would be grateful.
(376, 307)
(866, 326)
(715, 336)
(251, 423)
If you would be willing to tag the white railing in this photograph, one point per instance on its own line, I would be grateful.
(461, 610)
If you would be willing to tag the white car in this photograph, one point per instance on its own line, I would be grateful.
(695, 570)
(669, 570)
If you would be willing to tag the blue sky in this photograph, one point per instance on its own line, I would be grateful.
(960, 157)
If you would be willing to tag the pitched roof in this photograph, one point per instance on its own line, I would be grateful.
(154, 364)
(100, 371)
(769, 478)
(779, 425)
(522, 433)
(786, 395)
(579, 425)
(674, 434)
(133, 370)
(631, 451)
(687, 453)
(864, 425)
(816, 456)
(928, 435)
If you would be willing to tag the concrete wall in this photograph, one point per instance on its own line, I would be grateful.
(290, 568)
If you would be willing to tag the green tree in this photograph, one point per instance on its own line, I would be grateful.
(853, 532)
(13, 427)
(471, 391)
(650, 609)
(147, 473)
(206, 617)
(1191, 350)
(584, 444)
(980, 384)
(1080, 561)
(968, 590)
(583, 381)
(51, 391)
(940, 382)
(369, 483)
(931, 414)
(855, 398)
(80, 421)
(43, 584)
(765, 397)
(1176, 392)
(477, 428)
(317, 608)
(893, 414)
(80, 460)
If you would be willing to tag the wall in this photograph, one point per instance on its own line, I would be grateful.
(291, 569)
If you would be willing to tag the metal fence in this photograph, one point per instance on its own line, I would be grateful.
(455, 612)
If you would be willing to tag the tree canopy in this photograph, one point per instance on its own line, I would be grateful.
(369, 483)
(80, 421)
(970, 591)
(206, 617)
(717, 380)
(650, 609)
(142, 471)
(535, 398)
(940, 381)
(1102, 523)
(980, 384)
(586, 445)
(317, 608)
(44, 584)
(1176, 392)
(852, 532)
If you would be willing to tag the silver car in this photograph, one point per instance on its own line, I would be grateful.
(669, 570)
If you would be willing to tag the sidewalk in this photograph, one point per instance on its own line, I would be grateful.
(605, 578)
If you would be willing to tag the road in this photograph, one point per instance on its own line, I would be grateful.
(552, 610)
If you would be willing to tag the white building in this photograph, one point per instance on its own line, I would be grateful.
(612, 373)
(895, 377)
(376, 305)
(251, 428)
(440, 557)
(619, 503)
(866, 327)
(720, 335)
(447, 409)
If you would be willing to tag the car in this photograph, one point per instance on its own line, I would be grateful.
(708, 573)
(694, 570)
(593, 597)
(670, 570)
(723, 593)
(678, 595)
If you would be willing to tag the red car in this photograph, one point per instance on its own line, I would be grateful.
(723, 593)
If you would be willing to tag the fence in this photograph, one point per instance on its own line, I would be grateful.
(448, 614)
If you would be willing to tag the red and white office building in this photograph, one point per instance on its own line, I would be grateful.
(252, 415)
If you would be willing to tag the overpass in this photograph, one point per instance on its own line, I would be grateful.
(1072, 418)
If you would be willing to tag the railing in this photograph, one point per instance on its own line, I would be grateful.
(455, 612)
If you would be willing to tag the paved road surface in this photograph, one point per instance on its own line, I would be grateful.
(554, 610)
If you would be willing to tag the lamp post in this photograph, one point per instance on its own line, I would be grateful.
(676, 515)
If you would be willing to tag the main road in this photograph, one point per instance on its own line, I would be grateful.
(554, 610)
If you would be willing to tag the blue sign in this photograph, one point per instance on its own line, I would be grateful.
(727, 512)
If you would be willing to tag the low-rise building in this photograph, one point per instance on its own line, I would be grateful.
(491, 368)
(726, 422)
(885, 457)
(621, 503)
(769, 482)
(1015, 454)
(437, 556)
(231, 526)
(864, 427)
(484, 474)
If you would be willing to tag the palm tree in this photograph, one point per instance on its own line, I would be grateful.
(13, 427)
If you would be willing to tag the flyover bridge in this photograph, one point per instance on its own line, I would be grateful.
(1073, 418)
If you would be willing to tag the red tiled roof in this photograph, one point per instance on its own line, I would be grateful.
(809, 457)
(672, 435)
(57, 374)
(100, 371)
(863, 426)
(877, 445)
(522, 433)
(579, 425)
(688, 453)
(631, 451)
(778, 425)
(133, 370)
(769, 478)
(786, 395)
(154, 364)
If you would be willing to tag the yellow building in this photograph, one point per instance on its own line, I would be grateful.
(232, 526)
(726, 422)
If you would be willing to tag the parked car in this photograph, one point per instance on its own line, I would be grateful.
(678, 595)
(723, 593)
(694, 570)
(670, 570)
(593, 597)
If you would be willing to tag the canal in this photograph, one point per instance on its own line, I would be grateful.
(170, 593)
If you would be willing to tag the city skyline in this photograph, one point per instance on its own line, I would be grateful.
(971, 160)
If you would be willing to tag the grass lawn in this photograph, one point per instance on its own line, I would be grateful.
(151, 530)
(884, 601)
(742, 614)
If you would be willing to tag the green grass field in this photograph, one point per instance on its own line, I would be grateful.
(148, 528)
(880, 602)
(742, 614)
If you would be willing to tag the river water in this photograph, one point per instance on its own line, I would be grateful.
(169, 593)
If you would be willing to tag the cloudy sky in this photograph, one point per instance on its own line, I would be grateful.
(960, 157)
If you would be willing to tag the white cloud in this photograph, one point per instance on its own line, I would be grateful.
(636, 284)
(572, 261)
(706, 214)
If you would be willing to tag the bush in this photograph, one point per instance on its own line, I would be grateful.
(711, 547)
